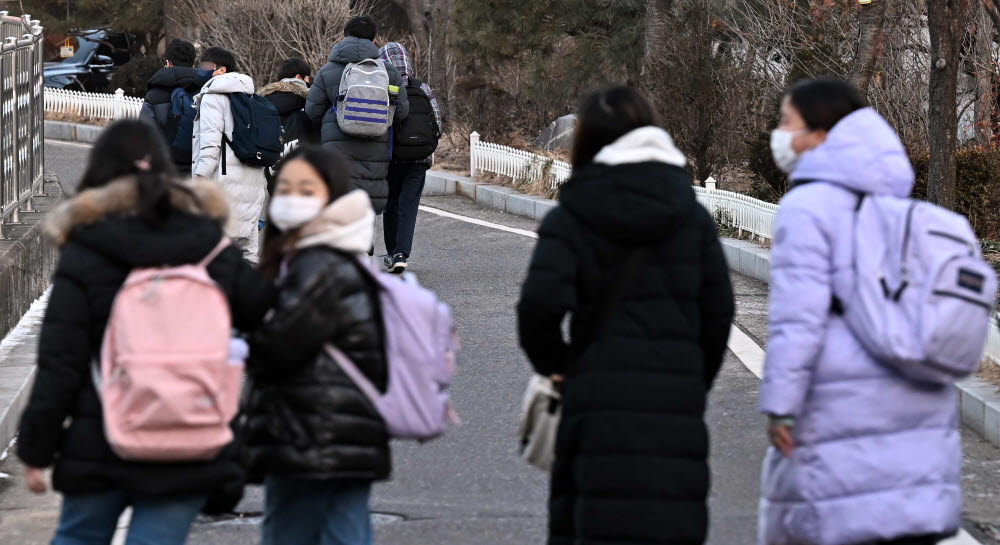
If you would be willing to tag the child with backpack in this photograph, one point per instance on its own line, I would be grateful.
(355, 97)
(145, 275)
(414, 141)
(237, 135)
(878, 304)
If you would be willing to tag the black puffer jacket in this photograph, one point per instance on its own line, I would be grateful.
(631, 453)
(305, 418)
(156, 106)
(290, 100)
(101, 244)
(369, 158)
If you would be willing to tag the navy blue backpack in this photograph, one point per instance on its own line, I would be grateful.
(257, 132)
(180, 125)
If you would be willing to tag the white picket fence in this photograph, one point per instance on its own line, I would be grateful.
(747, 215)
(514, 163)
(94, 105)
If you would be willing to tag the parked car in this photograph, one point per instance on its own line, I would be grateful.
(96, 55)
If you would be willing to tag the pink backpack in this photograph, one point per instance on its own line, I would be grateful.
(166, 384)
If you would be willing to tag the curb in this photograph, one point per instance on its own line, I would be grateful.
(72, 132)
(979, 400)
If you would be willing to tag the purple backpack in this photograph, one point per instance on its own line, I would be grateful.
(923, 295)
(421, 347)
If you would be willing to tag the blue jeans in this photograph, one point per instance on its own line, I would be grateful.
(316, 512)
(91, 519)
(406, 183)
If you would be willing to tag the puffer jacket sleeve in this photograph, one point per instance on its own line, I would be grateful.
(322, 298)
(147, 113)
(548, 293)
(318, 102)
(212, 125)
(799, 310)
(64, 353)
(250, 294)
(716, 301)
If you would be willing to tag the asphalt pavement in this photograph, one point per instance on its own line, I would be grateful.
(469, 487)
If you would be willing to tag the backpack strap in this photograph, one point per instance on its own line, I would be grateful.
(222, 245)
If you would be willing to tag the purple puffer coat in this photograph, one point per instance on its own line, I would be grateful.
(877, 457)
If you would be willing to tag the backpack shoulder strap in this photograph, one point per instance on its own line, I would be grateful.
(222, 245)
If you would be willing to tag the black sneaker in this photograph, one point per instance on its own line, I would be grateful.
(387, 261)
(398, 264)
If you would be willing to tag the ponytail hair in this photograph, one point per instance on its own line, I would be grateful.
(135, 149)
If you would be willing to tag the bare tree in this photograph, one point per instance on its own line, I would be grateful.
(947, 21)
(657, 12)
(872, 20)
(262, 34)
(985, 69)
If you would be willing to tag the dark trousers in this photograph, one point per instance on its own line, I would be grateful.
(406, 183)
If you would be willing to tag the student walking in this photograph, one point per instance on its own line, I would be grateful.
(637, 262)
(861, 454)
(314, 438)
(215, 158)
(367, 156)
(169, 104)
(131, 213)
(288, 95)
(414, 142)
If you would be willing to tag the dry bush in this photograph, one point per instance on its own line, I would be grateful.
(262, 34)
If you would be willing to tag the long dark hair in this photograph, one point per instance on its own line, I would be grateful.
(605, 116)
(822, 103)
(134, 149)
(333, 170)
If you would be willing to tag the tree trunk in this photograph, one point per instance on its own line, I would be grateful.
(872, 20)
(657, 12)
(947, 21)
(985, 72)
(439, 18)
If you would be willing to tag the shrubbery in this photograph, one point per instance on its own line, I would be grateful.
(978, 186)
(133, 76)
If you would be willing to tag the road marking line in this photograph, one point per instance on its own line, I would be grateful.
(68, 143)
(751, 355)
(474, 221)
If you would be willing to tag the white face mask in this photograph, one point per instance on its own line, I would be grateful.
(782, 151)
(289, 212)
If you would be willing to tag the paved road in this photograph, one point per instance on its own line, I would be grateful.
(469, 488)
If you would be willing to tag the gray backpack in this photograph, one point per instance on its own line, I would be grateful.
(363, 106)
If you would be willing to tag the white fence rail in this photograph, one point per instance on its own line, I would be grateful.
(747, 215)
(93, 105)
(514, 163)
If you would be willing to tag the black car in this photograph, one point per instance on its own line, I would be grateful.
(97, 54)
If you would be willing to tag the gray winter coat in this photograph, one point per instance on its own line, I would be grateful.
(369, 158)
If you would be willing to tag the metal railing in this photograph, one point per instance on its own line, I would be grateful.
(514, 163)
(92, 105)
(22, 144)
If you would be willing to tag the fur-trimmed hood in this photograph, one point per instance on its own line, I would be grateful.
(291, 86)
(121, 198)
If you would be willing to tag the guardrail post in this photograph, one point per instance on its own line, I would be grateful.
(473, 144)
(119, 96)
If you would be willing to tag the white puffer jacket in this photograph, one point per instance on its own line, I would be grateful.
(245, 187)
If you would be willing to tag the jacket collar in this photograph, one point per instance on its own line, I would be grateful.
(293, 86)
(121, 197)
(346, 224)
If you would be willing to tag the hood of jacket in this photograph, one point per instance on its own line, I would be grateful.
(395, 54)
(287, 97)
(172, 77)
(229, 83)
(346, 224)
(862, 153)
(636, 190)
(353, 49)
(104, 220)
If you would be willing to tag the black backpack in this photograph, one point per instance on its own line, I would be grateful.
(257, 132)
(416, 137)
